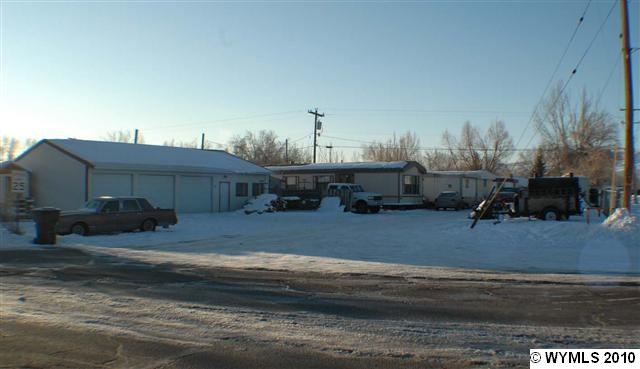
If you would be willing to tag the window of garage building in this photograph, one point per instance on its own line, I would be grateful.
(410, 185)
(257, 189)
(242, 189)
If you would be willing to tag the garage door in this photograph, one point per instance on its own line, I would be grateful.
(157, 189)
(194, 194)
(103, 184)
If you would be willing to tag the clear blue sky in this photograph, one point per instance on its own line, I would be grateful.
(177, 69)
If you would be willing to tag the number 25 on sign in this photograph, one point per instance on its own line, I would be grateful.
(18, 183)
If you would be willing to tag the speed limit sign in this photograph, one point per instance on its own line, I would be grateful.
(18, 182)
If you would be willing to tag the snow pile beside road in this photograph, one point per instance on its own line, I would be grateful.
(623, 221)
(329, 240)
(260, 204)
(330, 205)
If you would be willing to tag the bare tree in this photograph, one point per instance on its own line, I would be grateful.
(439, 160)
(10, 147)
(406, 147)
(265, 149)
(474, 151)
(497, 147)
(122, 136)
(576, 139)
(194, 144)
(331, 155)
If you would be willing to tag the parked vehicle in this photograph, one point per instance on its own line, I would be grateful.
(115, 214)
(355, 198)
(449, 200)
(505, 203)
(546, 198)
(551, 198)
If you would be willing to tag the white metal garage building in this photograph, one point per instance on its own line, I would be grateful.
(65, 173)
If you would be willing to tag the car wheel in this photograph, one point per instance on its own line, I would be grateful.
(80, 229)
(148, 225)
(550, 214)
(361, 207)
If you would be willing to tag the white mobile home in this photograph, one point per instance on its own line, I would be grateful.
(400, 182)
(473, 185)
(65, 173)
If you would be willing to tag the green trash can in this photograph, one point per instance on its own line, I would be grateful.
(46, 220)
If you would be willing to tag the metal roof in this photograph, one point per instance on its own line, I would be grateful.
(116, 155)
(377, 166)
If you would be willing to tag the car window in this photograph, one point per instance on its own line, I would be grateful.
(110, 207)
(144, 204)
(130, 205)
(93, 205)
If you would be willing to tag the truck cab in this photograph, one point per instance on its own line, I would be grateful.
(355, 198)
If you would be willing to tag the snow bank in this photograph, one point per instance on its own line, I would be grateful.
(260, 204)
(390, 242)
(623, 221)
(330, 205)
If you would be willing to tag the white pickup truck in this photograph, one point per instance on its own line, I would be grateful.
(355, 198)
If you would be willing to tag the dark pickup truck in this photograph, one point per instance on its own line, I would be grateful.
(115, 214)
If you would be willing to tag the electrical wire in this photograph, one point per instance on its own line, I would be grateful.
(573, 73)
(613, 5)
(359, 111)
(553, 75)
(444, 148)
(615, 67)
(217, 121)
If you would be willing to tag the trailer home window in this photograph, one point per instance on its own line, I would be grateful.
(291, 182)
(411, 185)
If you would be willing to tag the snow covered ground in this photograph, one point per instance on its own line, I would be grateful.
(391, 242)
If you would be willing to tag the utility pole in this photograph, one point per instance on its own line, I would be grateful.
(135, 137)
(286, 151)
(202, 142)
(317, 126)
(628, 102)
(330, 147)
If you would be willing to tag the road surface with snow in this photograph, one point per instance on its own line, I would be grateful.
(407, 289)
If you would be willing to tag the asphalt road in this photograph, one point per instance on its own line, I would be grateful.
(66, 308)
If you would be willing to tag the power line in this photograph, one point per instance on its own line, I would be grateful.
(213, 122)
(615, 67)
(302, 138)
(350, 139)
(433, 148)
(613, 5)
(573, 72)
(358, 111)
(553, 75)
